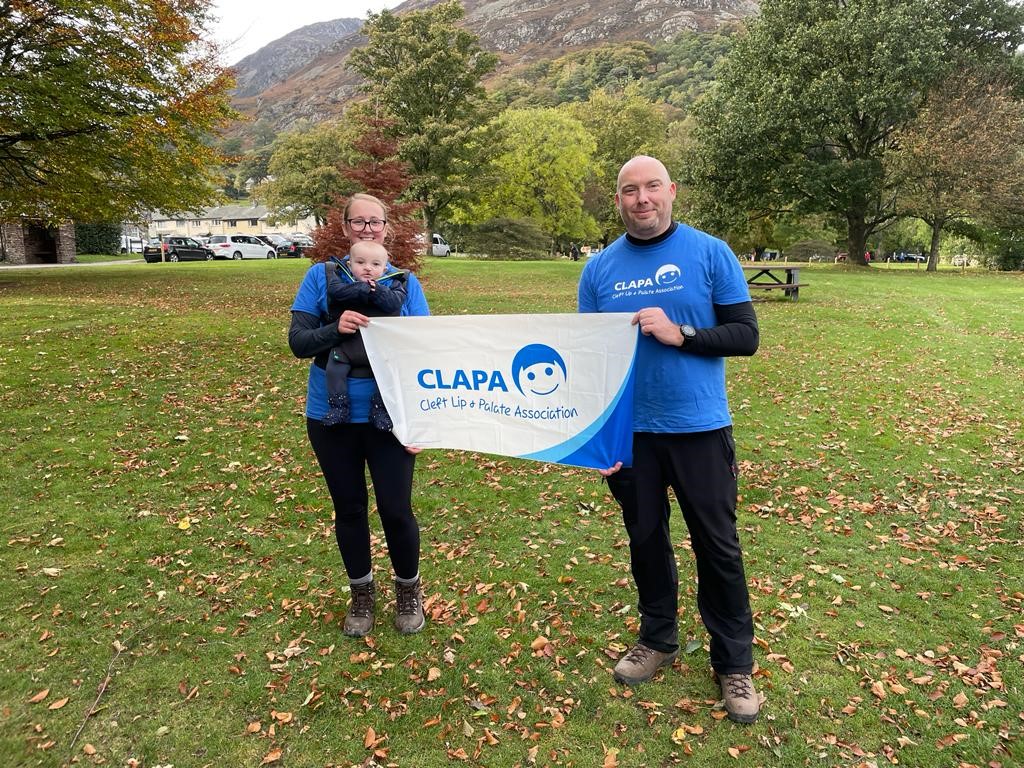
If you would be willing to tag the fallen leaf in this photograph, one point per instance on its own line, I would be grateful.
(272, 756)
(39, 696)
(60, 703)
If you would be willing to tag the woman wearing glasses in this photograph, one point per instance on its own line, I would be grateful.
(345, 450)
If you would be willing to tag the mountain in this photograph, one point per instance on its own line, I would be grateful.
(276, 61)
(303, 75)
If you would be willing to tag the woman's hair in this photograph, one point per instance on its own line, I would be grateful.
(365, 198)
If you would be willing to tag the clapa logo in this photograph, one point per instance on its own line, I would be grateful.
(537, 369)
(667, 274)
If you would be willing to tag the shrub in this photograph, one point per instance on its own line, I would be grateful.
(98, 238)
(505, 238)
(805, 249)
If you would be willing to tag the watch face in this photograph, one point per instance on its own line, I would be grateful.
(688, 331)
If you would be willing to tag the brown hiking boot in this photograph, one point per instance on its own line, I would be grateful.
(741, 701)
(640, 663)
(359, 620)
(409, 617)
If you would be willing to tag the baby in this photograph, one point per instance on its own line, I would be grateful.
(365, 283)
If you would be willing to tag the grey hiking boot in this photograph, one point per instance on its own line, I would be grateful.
(359, 620)
(640, 663)
(741, 701)
(409, 617)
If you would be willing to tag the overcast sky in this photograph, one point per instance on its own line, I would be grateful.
(245, 26)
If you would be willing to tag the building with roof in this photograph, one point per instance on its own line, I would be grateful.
(242, 219)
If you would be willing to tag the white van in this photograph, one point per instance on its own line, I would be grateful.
(131, 244)
(440, 246)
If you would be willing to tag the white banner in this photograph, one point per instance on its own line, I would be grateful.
(555, 388)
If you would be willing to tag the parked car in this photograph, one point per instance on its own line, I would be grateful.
(295, 246)
(273, 239)
(175, 249)
(440, 246)
(240, 247)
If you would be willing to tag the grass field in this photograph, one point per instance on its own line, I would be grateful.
(172, 594)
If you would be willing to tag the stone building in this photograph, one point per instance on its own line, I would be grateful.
(33, 242)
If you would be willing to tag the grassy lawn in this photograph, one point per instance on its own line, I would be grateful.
(172, 594)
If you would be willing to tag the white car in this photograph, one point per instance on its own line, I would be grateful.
(240, 247)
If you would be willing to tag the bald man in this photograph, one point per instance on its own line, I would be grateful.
(691, 302)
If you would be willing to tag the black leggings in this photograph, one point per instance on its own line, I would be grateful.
(700, 467)
(344, 451)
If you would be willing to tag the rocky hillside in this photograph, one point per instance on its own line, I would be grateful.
(276, 62)
(307, 79)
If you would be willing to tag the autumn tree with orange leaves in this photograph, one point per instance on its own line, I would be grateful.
(381, 174)
(105, 108)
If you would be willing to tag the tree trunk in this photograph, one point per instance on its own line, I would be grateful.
(856, 239)
(933, 254)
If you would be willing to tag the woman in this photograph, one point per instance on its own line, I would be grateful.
(345, 450)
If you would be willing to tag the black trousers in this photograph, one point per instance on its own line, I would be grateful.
(701, 469)
(344, 452)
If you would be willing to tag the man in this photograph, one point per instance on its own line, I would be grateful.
(693, 307)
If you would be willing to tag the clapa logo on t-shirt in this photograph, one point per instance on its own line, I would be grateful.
(667, 276)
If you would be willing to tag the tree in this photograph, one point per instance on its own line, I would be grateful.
(105, 107)
(543, 160)
(376, 171)
(305, 171)
(425, 74)
(809, 103)
(622, 125)
(962, 157)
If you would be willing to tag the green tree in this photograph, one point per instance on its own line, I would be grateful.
(810, 101)
(105, 107)
(543, 161)
(962, 157)
(622, 125)
(425, 75)
(254, 167)
(305, 173)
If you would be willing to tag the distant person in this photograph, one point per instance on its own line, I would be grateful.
(574, 252)
(682, 437)
(364, 282)
(345, 451)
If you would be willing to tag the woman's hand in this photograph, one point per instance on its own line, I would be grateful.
(351, 321)
(412, 449)
(611, 470)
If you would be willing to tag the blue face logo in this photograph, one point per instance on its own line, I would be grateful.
(537, 369)
(667, 274)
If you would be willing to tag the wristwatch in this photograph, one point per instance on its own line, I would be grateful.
(688, 332)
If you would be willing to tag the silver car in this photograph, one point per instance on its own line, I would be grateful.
(240, 247)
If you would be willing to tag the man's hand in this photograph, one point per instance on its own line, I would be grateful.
(611, 470)
(654, 322)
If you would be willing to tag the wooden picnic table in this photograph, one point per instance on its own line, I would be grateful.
(768, 277)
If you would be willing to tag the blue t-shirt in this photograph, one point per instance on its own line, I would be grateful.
(311, 298)
(684, 274)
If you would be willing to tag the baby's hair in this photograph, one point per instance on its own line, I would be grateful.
(368, 246)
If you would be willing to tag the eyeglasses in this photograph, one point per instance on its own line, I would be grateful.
(375, 225)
